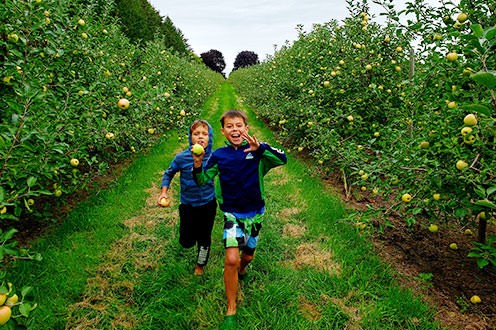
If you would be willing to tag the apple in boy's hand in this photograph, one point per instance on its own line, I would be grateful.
(164, 202)
(197, 149)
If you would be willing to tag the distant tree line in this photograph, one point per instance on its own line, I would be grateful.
(140, 22)
(215, 60)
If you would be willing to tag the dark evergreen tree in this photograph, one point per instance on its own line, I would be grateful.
(214, 60)
(244, 59)
(140, 22)
(174, 38)
(138, 19)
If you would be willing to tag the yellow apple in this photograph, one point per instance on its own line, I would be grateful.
(74, 162)
(433, 228)
(461, 164)
(12, 300)
(469, 139)
(406, 198)
(81, 22)
(475, 299)
(326, 83)
(164, 202)
(182, 113)
(197, 149)
(5, 313)
(109, 135)
(452, 56)
(13, 37)
(436, 196)
(84, 35)
(466, 130)
(3, 298)
(470, 120)
(451, 104)
(350, 118)
(462, 17)
(453, 246)
(151, 130)
(468, 232)
(399, 49)
(368, 67)
(424, 145)
(123, 104)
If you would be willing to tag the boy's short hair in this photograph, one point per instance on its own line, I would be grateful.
(198, 123)
(233, 114)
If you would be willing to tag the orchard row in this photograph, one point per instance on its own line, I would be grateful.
(77, 97)
(400, 110)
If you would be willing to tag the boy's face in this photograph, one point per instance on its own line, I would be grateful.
(200, 135)
(233, 127)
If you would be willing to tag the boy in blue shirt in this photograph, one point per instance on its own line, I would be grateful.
(241, 166)
(198, 204)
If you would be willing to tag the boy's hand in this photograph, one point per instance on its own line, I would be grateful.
(252, 140)
(197, 158)
(163, 200)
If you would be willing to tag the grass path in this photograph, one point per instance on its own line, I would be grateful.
(115, 263)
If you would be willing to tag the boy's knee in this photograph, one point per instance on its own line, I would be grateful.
(232, 259)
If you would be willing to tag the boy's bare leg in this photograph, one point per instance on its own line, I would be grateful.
(245, 260)
(231, 266)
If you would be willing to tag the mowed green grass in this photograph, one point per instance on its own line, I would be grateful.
(115, 262)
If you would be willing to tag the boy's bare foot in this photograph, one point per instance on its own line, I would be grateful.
(198, 270)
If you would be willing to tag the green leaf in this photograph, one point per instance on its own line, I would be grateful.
(24, 309)
(478, 31)
(490, 33)
(486, 203)
(2, 194)
(8, 234)
(477, 108)
(487, 79)
(491, 190)
(31, 181)
(26, 290)
(482, 263)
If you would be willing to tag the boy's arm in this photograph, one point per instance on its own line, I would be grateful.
(271, 157)
(201, 175)
(166, 180)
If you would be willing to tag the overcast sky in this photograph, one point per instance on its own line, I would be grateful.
(232, 26)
